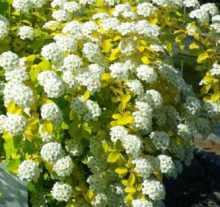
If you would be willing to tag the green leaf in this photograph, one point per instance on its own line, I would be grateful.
(44, 65)
(121, 171)
(194, 45)
(107, 46)
(13, 165)
(126, 119)
(113, 157)
(9, 148)
(131, 179)
(74, 127)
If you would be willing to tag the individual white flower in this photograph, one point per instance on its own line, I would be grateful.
(166, 164)
(66, 43)
(52, 151)
(28, 170)
(64, 166)
(135, 86)
(23, 6)
(160, 140)
(145, 9)
(143, 166)
(119, 71)
(154, 189)
(61, 15)
(147, 74)
(74, 146)
(9, 60)
(26, 32)
(15, 124)
(61, 191)
(52, 52)
(51, 112)
(18, 93)
(141, 203)
(191, 3)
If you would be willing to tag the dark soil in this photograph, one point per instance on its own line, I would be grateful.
(198, 185)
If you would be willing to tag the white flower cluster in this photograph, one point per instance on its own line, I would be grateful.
(61, 191)
(192, 106)
(63, 167)
(87, 110)
(147, 74)
(51, 83)
(51, 112)
(160, 140)
(28, 170)
(97, 183)
(135, 86)
(191, 3)
(166, 164)
(26, 32)
(25, 6)
(4, 27)
(52, 52)
(119, 71)
(52, 151)
(143, 166)
(18, 93)
(15, 124)
(141, 203)
(154, 189)
(9, 60)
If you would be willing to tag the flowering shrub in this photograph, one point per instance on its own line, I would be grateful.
(96, 113)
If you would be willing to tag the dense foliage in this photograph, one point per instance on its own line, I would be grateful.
(94, 113)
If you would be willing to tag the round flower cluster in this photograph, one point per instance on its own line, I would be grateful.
(26, 32)
(15, 124)
(74, 147)
(28, 170)
(61, 191)
(52, 151)
(143, 166)
(160, 140)
(63, 167)
(25, 6)
(51, 112)
(4, 27)
(141, 203)
(9, 60)
(18, 93)
(166, 164)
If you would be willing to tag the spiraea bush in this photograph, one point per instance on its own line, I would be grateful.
(94, 112)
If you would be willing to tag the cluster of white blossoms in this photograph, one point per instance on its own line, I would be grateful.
(104, 107)
(4, 27)
(28, 170)
(26, 32)
(61, 191)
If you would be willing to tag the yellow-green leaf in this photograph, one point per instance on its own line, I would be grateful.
(11, 107)
(145, 60)
(107, 45)
(203, 56)
(215, 97)
(115, 54)
(194, 45)
(86, 95)
(130, 190)
(113, 157)
(90, 195)
(49, 127)
(121, 170)
(126, 119)
(205, 89)
(169, 47)
(131, 179)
